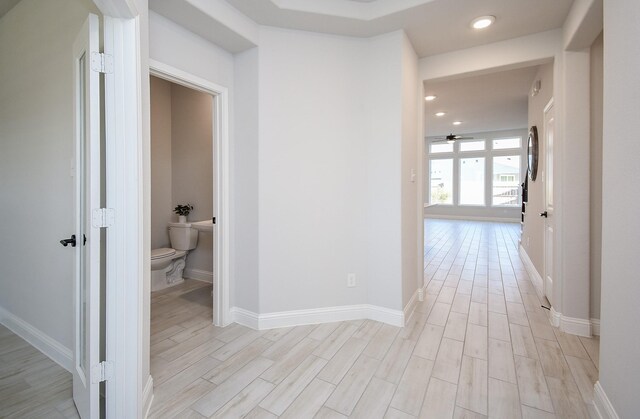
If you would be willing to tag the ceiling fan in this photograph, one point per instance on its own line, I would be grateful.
(451, 138)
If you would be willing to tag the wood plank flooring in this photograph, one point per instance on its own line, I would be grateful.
(479, 346)
(32, 385)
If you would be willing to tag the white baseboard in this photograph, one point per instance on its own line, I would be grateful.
(198, 275)
(536, 279)
(147, 397)
(59, 353)
(316, 315)
(602, 404)
(410, 308)
(571, 325)
(473, 218)
(245, 317)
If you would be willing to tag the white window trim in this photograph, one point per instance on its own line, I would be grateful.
(488, 154)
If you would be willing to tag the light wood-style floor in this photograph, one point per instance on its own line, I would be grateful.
(479, 346)
(32, 385)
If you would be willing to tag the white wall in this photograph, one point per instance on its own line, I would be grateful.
(411, 159)
(620, 329)
(173, 45)
(330, 138)
(192, 166)
(596, 175)
(36, 128)
(161, 189)
(312, 169)
(382, 145)
(533, 229)
(512, 53)
(245, 167)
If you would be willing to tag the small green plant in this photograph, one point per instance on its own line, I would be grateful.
(183, 209)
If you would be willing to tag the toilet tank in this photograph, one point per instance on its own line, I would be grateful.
(182, 236)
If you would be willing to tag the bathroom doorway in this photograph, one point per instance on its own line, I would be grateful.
(218, 221)
(182, 178)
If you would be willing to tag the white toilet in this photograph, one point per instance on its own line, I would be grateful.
(167, 264)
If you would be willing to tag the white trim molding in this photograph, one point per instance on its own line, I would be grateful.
(147, 397)
(410, 308)
(571, 325)
(602, 404)
(198, 275)
(58, 353)
(317, 315)
(536, 279)
(472, 218)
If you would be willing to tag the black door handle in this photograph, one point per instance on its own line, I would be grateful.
(544, 214)
(71, 241)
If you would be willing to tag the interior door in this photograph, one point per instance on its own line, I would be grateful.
(86, 351)
(549, 132)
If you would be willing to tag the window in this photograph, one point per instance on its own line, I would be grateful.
(481, 172)
(441, 148)
(502, 143)
(472, 181)
(506, 181)
(441, 181)
(472, 145)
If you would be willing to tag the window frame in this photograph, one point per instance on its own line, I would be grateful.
(488, 154)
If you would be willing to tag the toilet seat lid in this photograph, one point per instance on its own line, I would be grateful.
(162, 252)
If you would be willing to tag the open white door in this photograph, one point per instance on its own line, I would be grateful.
(549, 132)
(87, 369)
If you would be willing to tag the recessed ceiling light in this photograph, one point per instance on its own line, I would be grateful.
(457, 122)
(441, 113)
(430, 97)
(482, 22)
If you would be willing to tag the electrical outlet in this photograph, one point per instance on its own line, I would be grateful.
(351, 280)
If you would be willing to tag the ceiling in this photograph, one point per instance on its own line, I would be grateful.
(484, 103)
(433, 26)
(488, 102)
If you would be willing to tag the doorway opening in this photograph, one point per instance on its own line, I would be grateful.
(182, 213)
(217, 224)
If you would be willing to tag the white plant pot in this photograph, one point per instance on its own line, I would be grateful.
(182, 218)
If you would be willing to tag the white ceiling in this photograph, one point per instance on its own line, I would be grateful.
(434, 26)
(483, 103)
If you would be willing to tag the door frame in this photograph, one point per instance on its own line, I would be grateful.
(128, 394)
(221, 161)
(548, 288)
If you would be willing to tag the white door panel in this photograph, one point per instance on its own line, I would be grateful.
(87, 247)
(549, 133)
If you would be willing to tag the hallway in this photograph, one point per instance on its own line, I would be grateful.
(479, 346)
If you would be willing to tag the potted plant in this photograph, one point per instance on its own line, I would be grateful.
(183, 211)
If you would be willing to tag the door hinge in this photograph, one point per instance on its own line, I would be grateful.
(101, 372)
(102, 63)
(103, 217)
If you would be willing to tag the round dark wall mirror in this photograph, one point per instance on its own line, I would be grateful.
(532, 153)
